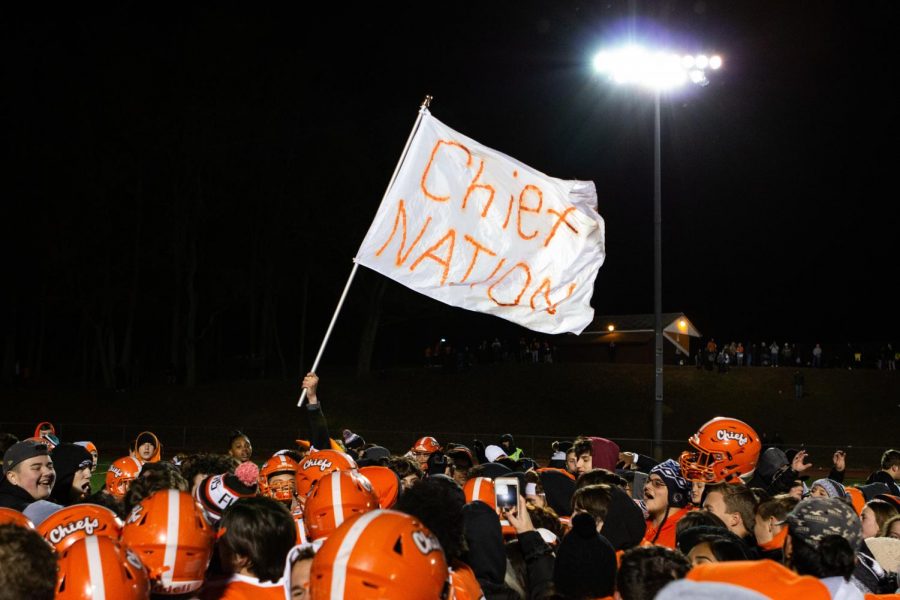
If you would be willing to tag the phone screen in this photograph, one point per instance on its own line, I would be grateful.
(507, 493)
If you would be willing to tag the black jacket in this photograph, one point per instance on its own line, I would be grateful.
(318, 427)
(14, 497)
(885, 478)
(539, 562)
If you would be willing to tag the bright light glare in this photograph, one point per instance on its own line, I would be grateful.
(635, 65)
(715, 62)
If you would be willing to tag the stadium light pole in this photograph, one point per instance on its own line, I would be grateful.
(657, 71)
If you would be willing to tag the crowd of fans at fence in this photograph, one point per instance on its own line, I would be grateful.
(337, 517)
(710, 355)
(445, 354)
(707, 354)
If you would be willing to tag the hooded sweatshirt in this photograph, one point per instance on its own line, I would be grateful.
(604, 453)
(624, 525)
(143, 437)
(558, 487)
(487, 555)
(67, 460)
(37, 430)
(51, 437)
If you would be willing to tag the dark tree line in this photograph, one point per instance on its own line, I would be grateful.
(181, 211)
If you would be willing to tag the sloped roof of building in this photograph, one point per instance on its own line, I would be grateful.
(643, 322)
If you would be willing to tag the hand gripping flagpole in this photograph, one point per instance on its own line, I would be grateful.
(422, 110)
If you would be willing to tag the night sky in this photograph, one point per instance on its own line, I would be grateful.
(233, 158)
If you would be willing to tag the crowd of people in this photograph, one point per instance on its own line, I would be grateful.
(711, 355)
(335, 517)
(445, 354)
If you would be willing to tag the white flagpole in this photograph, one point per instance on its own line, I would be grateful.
(422, 109)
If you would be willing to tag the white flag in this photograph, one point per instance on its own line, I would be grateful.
(474, 228)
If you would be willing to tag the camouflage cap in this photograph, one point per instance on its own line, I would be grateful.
(814, 518)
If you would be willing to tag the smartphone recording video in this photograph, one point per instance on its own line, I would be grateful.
(506, 490)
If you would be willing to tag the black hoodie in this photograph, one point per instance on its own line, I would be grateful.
(67, 460)
(624, 525)
(486, 555)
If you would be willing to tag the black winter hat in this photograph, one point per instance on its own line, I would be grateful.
(69, 458)
(771, 463)
(146, 438)
(495, 470)
(372, 455)
(624, 525)
(585, 561)
(558, 490)
(679, 488)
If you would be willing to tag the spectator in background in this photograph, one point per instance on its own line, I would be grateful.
(739, 354)
(817, 357)
(798, 385)
(889, 473)
(773, 354)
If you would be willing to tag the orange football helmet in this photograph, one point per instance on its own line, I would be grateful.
(65, 527)
(96, 567)
(725, 449)
(381, 554)
(463, 584)
(170, 536)
(8, 515)
(480, 488)
(427, 445)
(278, 465)
(120, 475)
(385, 483)
(318, 464)
(335, 498)
(301, 529)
